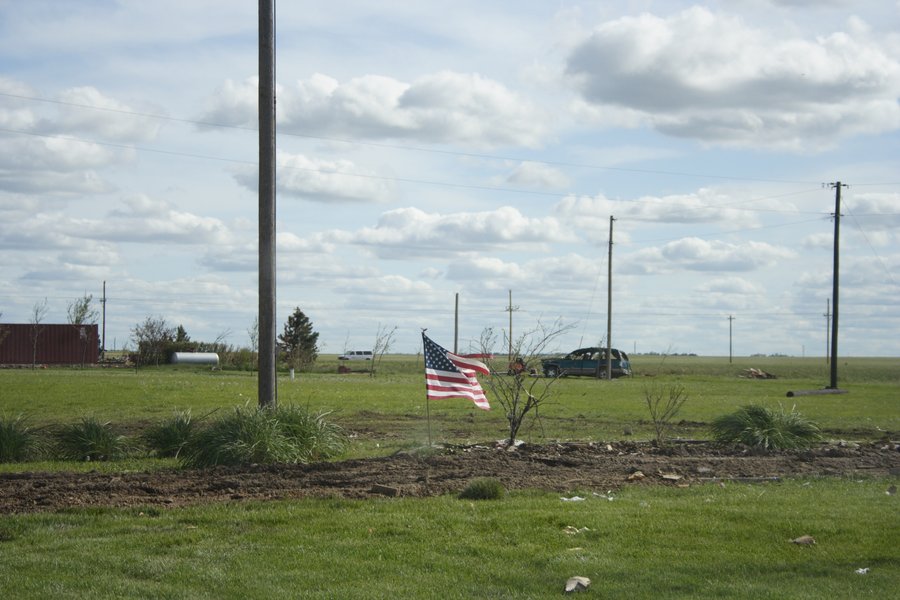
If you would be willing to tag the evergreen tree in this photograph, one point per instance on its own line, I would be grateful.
(299, 341)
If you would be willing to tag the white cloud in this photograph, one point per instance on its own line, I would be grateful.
(408, 232)
(445, 107)
(710, 76)
(539, 175)
(695, 254)
(322, 180)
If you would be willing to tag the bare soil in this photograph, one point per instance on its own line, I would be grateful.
(563, 468)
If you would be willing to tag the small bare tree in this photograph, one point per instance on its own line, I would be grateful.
(38, 312)
(664, 402)
(4, 331)
(384, 339)
(81, 313)
(522, 392)
(253, 335)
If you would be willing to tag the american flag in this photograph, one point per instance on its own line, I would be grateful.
(450, 376)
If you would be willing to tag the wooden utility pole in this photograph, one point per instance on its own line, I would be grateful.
(835, 283)
(730, 352)
(827, 316)
(609, 303)
(267, 389)
(456, 324)
(103, 338)
(511, 309)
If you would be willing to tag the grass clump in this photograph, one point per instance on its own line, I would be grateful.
(89, 440)
(762, 428)
(264, 436)
(18, 441)
(484, 488)
(168, 438)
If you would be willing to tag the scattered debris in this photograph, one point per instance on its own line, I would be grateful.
(608, 495)
(572, 530)
(384, 490)
(804, 540)
(669, 476)
(636, 476)
(577, 584)
(572, 499)
(753, 373)
(862, 571)
(891, 490)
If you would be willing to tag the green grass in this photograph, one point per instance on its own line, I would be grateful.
(392, 404)
(703, 542)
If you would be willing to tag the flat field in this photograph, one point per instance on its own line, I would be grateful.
(700, 521)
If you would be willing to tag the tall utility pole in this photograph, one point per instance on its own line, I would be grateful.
(730, 353)
(267, 389)
(511, 310)
(827, 316)
(835, 283)
(609, 303)
(103, 338)
(456, 324)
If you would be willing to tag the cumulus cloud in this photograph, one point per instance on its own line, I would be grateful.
(322, 180)
(37, 153)
(86, 110)
(703, 206)
(407, 232)
(711, 77)
(695, 254)
(540, 175)
(141, 219)
(444, 107)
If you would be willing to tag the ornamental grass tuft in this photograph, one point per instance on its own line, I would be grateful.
(484, 488)
(762, 428)
(168, 438)
(88, 440)
(263, 436)
(18, 441)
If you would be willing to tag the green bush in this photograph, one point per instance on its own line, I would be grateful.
(18, 442)
(89, 439)
(263, 436)
(168, 438)
(485, 488)
(763, 428)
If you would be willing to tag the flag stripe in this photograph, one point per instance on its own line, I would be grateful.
(450, 376)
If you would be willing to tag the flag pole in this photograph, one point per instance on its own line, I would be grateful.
(427, 403)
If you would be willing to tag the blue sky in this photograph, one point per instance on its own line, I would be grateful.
(427, 151)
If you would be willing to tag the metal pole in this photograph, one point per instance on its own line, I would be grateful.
(268, 394)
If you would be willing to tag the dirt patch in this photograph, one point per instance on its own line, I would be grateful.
(564, 468)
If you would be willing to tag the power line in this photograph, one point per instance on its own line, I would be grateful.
(407, 147)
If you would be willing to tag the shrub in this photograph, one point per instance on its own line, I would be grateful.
(760, 427)
(89, 439)
(18, 441)
(485, 488)
(664, 403)
(167, 439)
(263, 436)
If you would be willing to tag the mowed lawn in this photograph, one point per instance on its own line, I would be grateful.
(708, 541)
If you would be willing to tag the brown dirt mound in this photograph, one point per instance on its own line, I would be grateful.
(564, 468)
